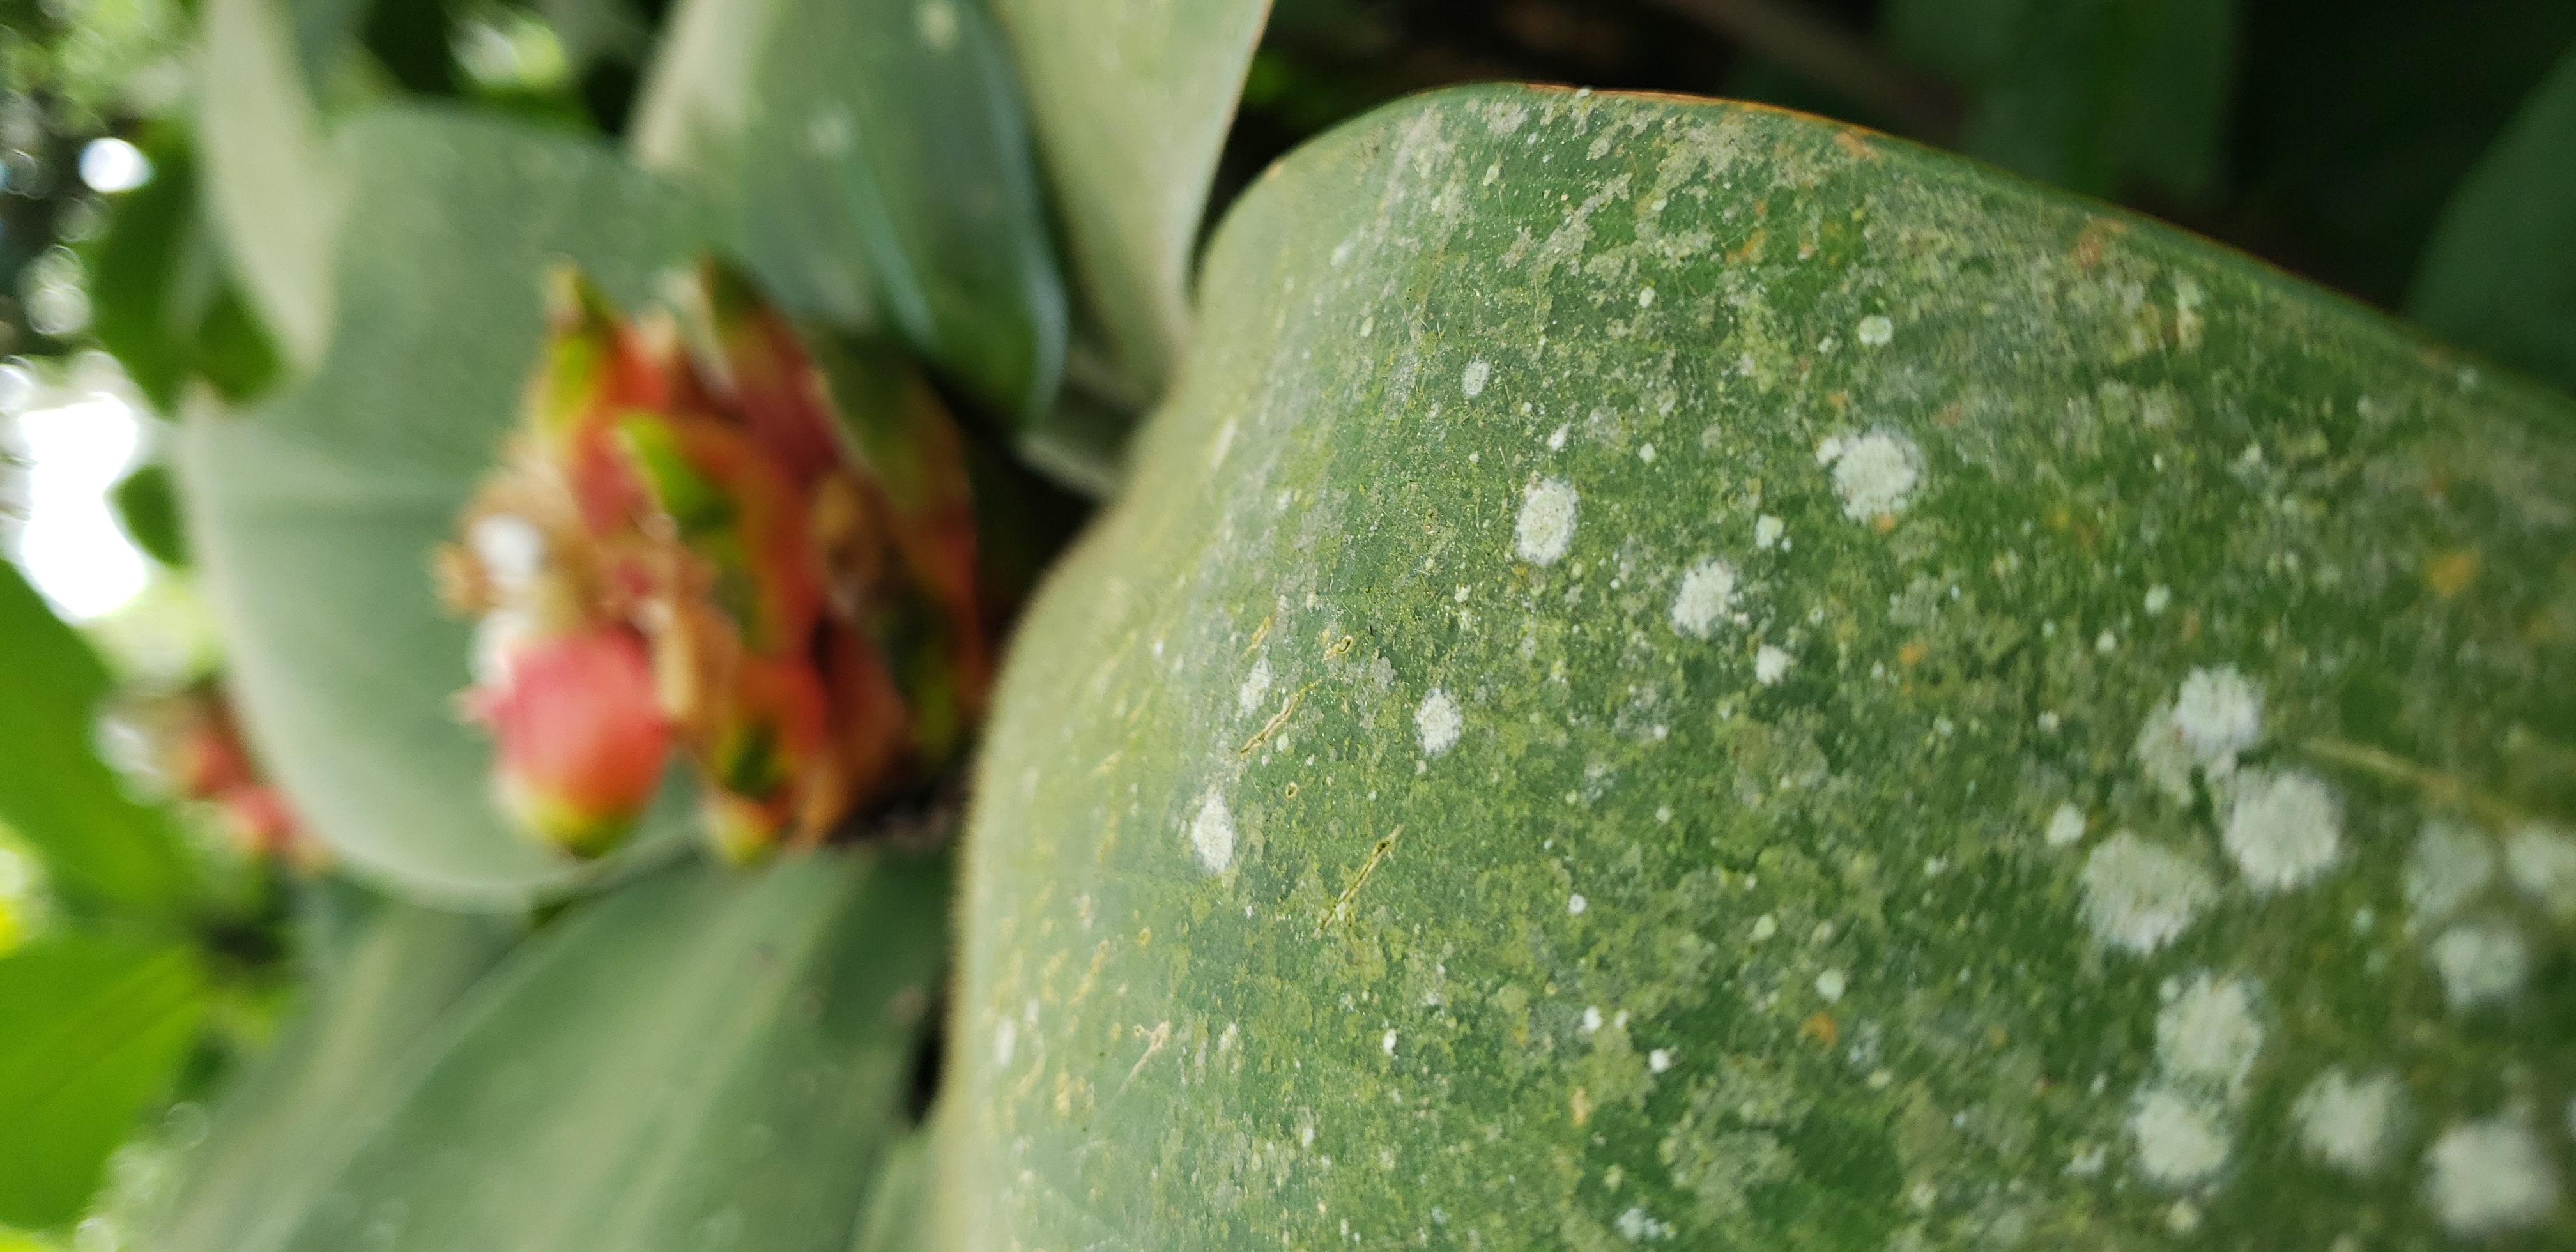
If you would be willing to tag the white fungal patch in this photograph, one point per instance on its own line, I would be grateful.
(2284, 830)
(1707, 595)
(2487, 1176)
(1472, 379)
(1766, 532)
(1575, 904)
(2139, 896)
(2350, 1123)
(1876, 330)
(2159, 598)
(1831, 985)
(2452, 862)
(2480, 963)
(1438, 721)
(2540, 859)
(1387, 1044)
(2218, 714)
(1591, 1018)
(1771, 664)
(1661, 1059)
(1875, 474)
(2210, 1034)
(1212, 833)
(1546, 526)
(2178, 1140)
(1255, 686)
(1637, 1225)
(2065, 826)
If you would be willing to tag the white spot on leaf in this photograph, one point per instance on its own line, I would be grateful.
(1876, 330)
(2541, 861)
(1546, 526)
(1255, 685)
(2284, 830)
(1707, 594)
(2452, 862)
(1438, 721)
(1212, 833)
(1770, 665)
(2480, 963)
(1472, 379)
(2350, 1123)
(2065, 826)
(2178, 1140)
(2218, 713)
(2140, 896)
(1575, 904)
(2488, 1176)
(2210, 1033)
(1875, 474)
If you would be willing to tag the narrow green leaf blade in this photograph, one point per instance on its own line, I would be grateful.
(1679, 675)
(1131, 102)
(2500, 273)
(90, 1031)
(270, 185)
(871, 160)
(99, 845)
(290, 1122)
(706, 1057)
(314, 518)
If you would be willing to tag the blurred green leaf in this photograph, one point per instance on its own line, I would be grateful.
(870, 160)
(2500, 273)
(269, 184)
(900, 1209)
(163, 303)
(2087, 94)
(90, 1031)
(99, 846)
(1131, 100)
(147, 503)
(292, 1118)
(708, 1058)
(312, 521)
(2361, 116)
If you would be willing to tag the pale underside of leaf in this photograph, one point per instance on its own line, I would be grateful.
(316, 516)
(1131, 101)
(269, 176)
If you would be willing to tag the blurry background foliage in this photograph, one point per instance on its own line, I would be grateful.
(2328, 136)
(2421, 158)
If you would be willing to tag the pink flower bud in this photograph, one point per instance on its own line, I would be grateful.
(581, 740)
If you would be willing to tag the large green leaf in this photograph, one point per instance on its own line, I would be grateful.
(271, 187)
(292, 1119)
(704, 1059)
(2500, 272)
(1681, 674)
(313, 519)
(1131, 100)
(90, 1030)
(99, 846)
(871, 162)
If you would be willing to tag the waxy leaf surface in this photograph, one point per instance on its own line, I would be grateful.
(1683, 675)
